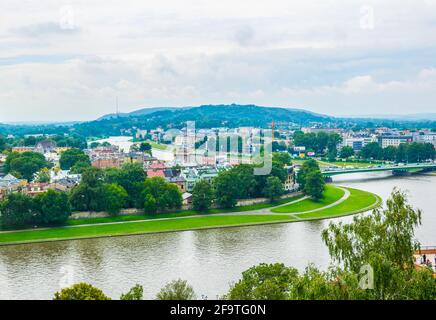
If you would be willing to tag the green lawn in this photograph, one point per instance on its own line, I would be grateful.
(358, 201)
(177, 214)
(331, 194)
(158, 145)
(150, 226)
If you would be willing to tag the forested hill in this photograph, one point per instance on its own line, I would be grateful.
(206, 116)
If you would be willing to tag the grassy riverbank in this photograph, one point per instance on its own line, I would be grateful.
(357, 202)
(331, 195)
(179, 214)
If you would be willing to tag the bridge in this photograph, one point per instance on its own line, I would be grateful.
(394, 168)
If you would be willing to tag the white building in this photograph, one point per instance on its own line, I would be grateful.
(394, 140)
(357, 143)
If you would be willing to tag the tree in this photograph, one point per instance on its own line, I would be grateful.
(402, 154)
(314, 185)
(273, 188)
(145, 147)
(318, 142)
(384, 241)
(87, 195)
(243, 177)
(166, 195)
(81, 291)
(150, 206)
(173, 197)
(115, 198)
(79, 167)
(94, 145)
(25, 165)
(16, 211)
(135, 293)
(71, 156)
(3, 143)
(51, 207)
(264, 282)
(390, 153)
(333, 140)
(226, 189)
(176, 290)
(131, 177)
(202, 195)
(308, 166)
(346, 152)
(282, 157)
(43, 176)
(71, 141)
(372, 151)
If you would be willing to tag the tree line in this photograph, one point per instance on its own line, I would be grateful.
(318, 142)
(113, 189)
(405, 152)
(62, 140)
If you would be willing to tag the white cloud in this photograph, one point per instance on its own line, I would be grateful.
(311, 54)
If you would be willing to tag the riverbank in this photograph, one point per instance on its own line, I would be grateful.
(182, 213)
(356, 201)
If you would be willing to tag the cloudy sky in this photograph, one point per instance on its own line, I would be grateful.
(63, 60)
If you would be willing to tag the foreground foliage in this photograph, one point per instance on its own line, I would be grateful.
(375, 252)
(177, 290)
(81, 291)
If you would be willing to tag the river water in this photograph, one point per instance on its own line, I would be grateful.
(125, 142)
(209, 259)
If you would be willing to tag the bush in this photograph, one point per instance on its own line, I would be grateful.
(176, 290)
(72, 156)
(81, 291)
(202, 196)
(52, 207)
(115, 198)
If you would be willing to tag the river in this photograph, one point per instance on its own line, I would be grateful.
(125, 142)
(209, 259)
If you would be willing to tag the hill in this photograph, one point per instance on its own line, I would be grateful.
(210, 116)
(206, 116)
(140, 112)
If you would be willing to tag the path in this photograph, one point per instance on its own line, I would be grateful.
(265, 211)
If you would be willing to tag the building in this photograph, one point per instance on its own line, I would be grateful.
(9, 183)
(155, 169)
(2, 165)
(193, 175)
(174, 176)
(187, 198)
(140, 134)
(65, 178)
(45, 146)
(357, 143)
(35, 188)
(318, 130)
(393, 140)
(290, 184)
(23, 149)
(105, 157)
(108, 162)
(425, 137)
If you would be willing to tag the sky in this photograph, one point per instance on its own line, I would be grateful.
(62, 61)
